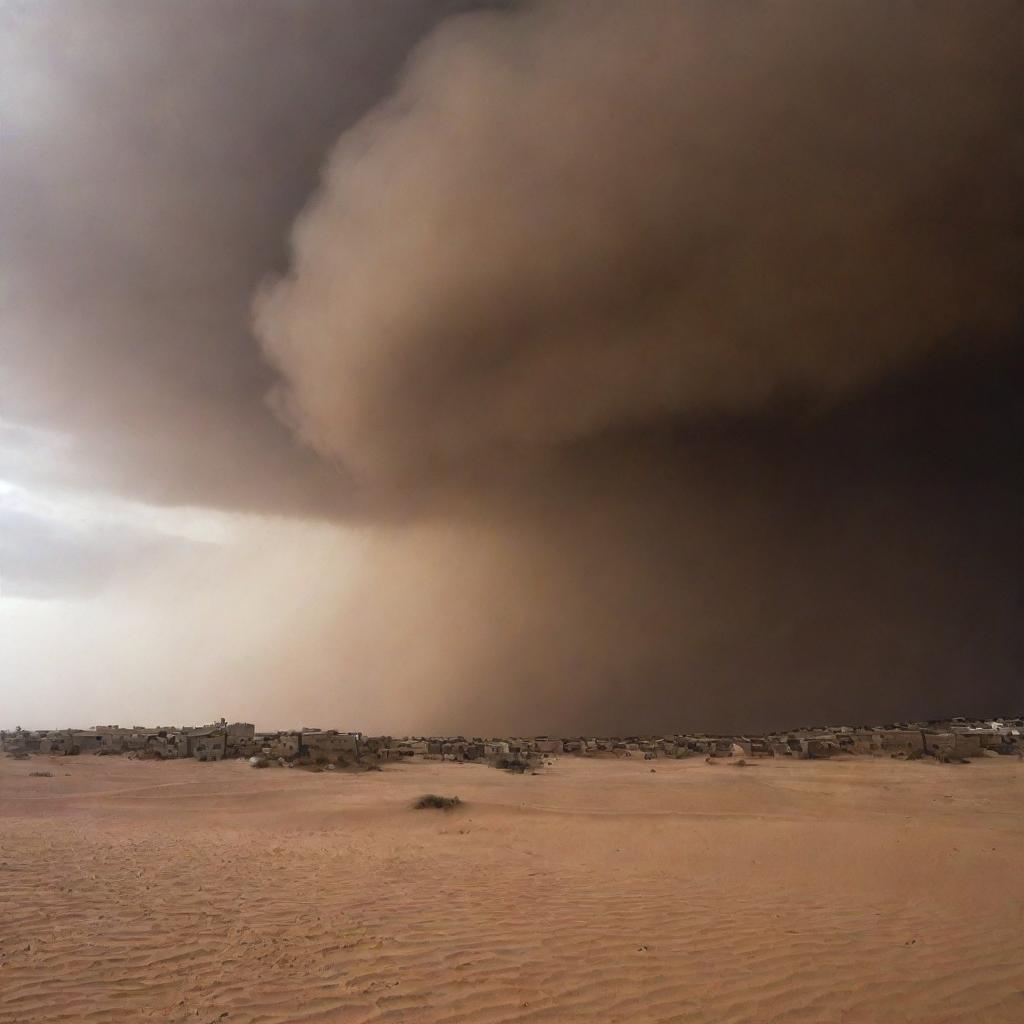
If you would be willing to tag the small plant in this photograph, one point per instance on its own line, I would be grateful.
(441, 803)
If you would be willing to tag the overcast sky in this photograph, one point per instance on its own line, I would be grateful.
(412, 365)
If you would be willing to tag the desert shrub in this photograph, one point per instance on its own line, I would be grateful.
(442, 803)
(41, 775)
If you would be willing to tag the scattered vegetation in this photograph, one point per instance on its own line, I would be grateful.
(442, 803)
(515, 765)
(41, 775)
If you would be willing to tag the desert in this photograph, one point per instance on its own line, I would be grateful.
(575, 445)
(846, 890)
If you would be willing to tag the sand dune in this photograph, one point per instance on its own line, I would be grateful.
(853, 891)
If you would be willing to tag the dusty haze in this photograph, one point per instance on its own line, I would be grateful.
(627, 367)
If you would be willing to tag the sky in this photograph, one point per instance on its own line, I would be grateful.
(568, 366)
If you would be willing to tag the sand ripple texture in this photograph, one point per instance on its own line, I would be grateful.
(847, 892)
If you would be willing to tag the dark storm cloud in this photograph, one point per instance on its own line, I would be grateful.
(153, 155)
(614, 278)
(592, 215)
(666, 354)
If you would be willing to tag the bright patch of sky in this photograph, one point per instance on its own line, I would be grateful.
(59, 541)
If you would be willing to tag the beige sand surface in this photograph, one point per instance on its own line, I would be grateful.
(853, 891)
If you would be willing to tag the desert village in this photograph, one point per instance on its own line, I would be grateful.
(811, 875)
(952, 741)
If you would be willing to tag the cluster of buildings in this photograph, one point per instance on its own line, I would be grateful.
(949, 739)
(214, 742)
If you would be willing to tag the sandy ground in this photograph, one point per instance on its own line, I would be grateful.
(851, 891)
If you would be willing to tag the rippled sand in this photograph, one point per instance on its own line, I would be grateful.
(851, 891)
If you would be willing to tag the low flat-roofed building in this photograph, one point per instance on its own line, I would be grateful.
(548, 746)
(901, 741)
(280, 744)
(329, 745)
(86, 741)
(207, 745)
